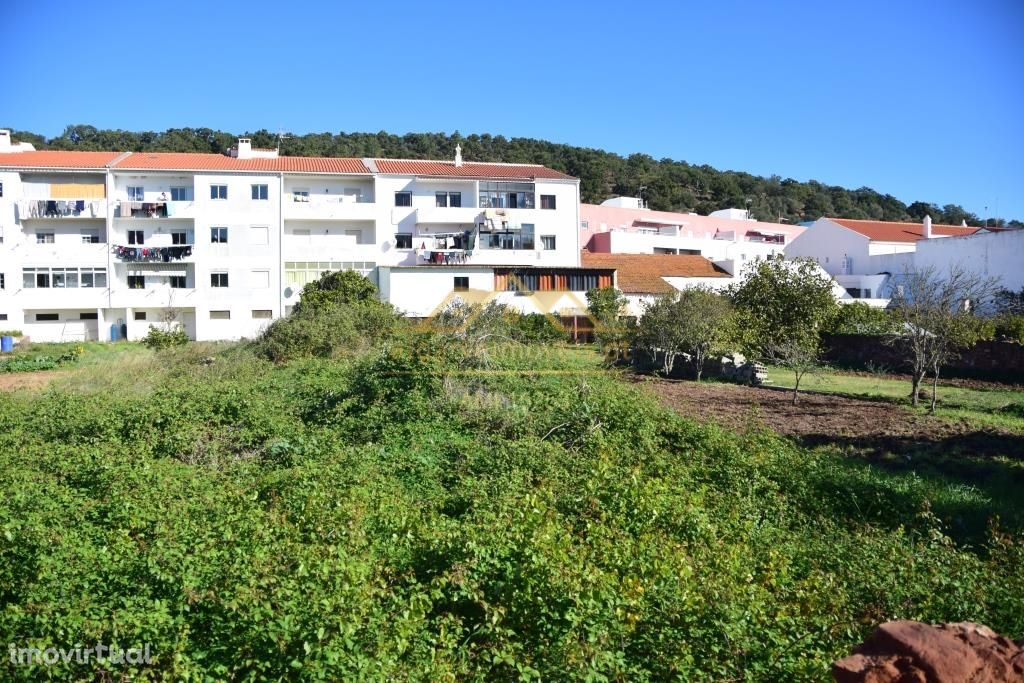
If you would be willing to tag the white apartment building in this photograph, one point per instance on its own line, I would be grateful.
(101, 245)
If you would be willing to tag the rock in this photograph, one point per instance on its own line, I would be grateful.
(912, 652)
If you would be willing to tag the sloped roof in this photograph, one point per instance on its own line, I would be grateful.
(448, 169)
(891, 231)
(644, 273)
(158, 161)
(57, 159)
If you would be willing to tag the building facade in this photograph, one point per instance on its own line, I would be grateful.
(102, 245)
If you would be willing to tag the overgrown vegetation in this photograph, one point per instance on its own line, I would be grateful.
(29, 360)
(159, 338)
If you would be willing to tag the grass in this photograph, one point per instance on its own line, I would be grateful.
(991, 407)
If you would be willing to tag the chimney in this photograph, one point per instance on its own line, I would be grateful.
(927, 227)
(243, 150)
(963, 223)
(5, 140)
(458, 156)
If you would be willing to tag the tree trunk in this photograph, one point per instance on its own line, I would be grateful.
(935, 386)
(796, 386)
(916, 383)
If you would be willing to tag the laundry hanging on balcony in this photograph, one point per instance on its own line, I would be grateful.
(162, 254)
(56, 208)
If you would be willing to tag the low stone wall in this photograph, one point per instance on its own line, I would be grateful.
(999, 361)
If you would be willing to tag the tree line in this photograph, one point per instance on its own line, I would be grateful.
(669, 185)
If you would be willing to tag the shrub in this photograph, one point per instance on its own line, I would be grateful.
(10, 333)
(157, 339)
(1010, 327)
(859, 318)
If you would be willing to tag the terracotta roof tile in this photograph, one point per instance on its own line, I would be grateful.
(891, 231)
(219, 162)
(644, 273)
(57, 159)
(468, 169)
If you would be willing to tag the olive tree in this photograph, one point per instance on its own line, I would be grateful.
(613, 331)
(936, 311)
(694, 322)
(783, 307)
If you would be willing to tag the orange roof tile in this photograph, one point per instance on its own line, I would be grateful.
(891, 231)
(57, 159)
(643, 273)
(218, 162)
(468, 169)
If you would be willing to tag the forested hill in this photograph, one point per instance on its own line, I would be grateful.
(670, 185)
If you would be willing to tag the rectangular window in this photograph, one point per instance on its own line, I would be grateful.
(136, 282)
(403, 199)
(64, 278)
(3, 281)
(259, 235)
(262, 314)
(94, 277)
(3, 316)
(300, 195)
(181, 194)
(88, 316)
(219, 235)
(218, 191)
(47, 317)
(179, 237)
(136, 194)
(44, 238)
(548, 241)
(259, 192)
(140, 315)
(220, 315)
(218, 279)
(448, 199)
(177, 282)
(90, 236)
(403, 240)
(461, 284)
(501, 195)
(441, 199)
(584, 224)
(135, 237)
(1, 189)
(547, 201)
(259, 279)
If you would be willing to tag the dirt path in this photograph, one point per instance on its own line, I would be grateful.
(9, 381)
(868, 426)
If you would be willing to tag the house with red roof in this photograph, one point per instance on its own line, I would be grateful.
(861, 255)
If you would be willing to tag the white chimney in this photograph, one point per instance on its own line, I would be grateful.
(243, 150)
(8, 146)
(5, 139)
(963, 223)
(927, 227)
(458, 156)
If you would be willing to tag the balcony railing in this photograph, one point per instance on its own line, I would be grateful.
(61, 208)
(143, 254)
(451, 215)
(131, 209)
(337, 208)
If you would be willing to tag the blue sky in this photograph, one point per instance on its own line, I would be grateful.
(923, 100)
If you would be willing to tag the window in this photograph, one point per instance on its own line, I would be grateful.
(1, 189)
(259, 279)
(357, 234)
(63, 278)
(506, 195)
(47, 317)
(259, 192)
(3, 316)
(136, 282)
(547, 201)
(90, 236)
(299, 273)
(179, 237)
(403, 199)
(136, 194)
(445, 199)
(219, 235)
(218, 279)
(584, 225)
(548, 242)
(218, 191)
(3, 281)
(300, 195)
(135, 237)
(181, 194)
(177, 282)
(461, 284)
(44, 238)
(88, 316)
(262, 314)
(403, 240)
(93, 277)
(508, 237)
(35, 277)
(140, 315)
(259, 235)
(220, 315)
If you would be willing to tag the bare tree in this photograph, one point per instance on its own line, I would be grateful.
(797, 353)
(936, 310)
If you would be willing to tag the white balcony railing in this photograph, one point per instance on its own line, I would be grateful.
(330, 209)
(450, 215)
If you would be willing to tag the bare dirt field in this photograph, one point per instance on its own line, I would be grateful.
(10, 381)
(869, 427)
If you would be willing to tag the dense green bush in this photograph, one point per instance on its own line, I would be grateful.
(397, 515)
(157, 338)
(859, 318)
(1009, 327)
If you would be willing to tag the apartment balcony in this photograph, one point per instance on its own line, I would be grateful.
(142, 254)
(329, 209)
(90, 253)
(155, 296)
(128, 209)
(47, 209)
(450, 215)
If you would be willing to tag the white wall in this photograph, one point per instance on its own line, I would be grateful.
(827, 243)
(998, 254)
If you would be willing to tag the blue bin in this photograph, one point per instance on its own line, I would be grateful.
(6, 344)
(114, 336)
